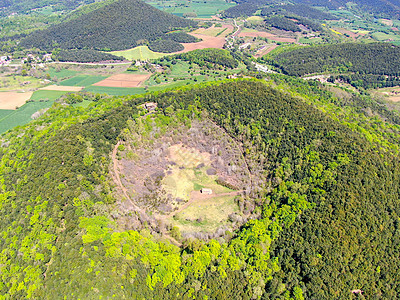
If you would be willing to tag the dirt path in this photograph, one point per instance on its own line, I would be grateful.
(116, 176)
(117, 180)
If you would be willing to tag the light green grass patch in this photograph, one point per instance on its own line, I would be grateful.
(205, 215)
(17, 82)
(82, 80)
(139, 53)
(47, 95)
(61, 72)
(114, 91)
(22, 115)
(255, 20)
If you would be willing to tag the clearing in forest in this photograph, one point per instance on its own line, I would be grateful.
(12, 100)
(215, 31)
(124, 80)
(268, 35)
(391, 94)
(139, 53)
(162, 171)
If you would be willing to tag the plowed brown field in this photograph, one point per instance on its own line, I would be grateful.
(124, 80)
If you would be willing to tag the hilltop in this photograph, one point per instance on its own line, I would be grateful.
(119, 25)
(105, 200)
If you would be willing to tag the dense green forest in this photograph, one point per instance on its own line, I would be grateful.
(120, 25)
(328, 203)
(165, 46)
(210, 57)
(84, 56)
(282, 23)
(313, 8)
(387, 7)
(369, 65)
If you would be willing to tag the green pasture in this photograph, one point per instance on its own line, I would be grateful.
(61, 73)
(44, 95)
(82, 80)
(381, 36)
(139, 53)
(203, 9)
(22, 115)
(114, 91)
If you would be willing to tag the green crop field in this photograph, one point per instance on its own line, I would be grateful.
(61, 73)
(115, 91)
(82, 80)
(47, 95)
(203, 9)
(5, 112)
(381, 36)
(139, 53)
(22, 115)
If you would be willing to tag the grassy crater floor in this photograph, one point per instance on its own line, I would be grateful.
(161, 170)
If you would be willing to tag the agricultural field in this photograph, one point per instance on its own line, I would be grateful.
(215, 31)
(270, 36)
(82, 80)
(13, 100)
(19, 83)
(196, 8)
(139, 53)
(390, 94)
(206, 42)
(61, 73)
(181, 73)
(44, 95)
(21, 116)
(62, 88)
(365, 28)
(114, 91)
(125, 80)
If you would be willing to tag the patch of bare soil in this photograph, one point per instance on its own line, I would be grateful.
(124, 80)
(12, 100)
(207, 42)
(62, 88)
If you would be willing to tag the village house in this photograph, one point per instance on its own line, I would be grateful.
(150, 106)
(206, 191)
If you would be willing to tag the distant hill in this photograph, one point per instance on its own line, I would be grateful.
(390, 7)
(384, 7)
(366, 65)
(120, 25)
(21, 6)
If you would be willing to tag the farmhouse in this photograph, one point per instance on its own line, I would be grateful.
(150, 106)
(206, 191)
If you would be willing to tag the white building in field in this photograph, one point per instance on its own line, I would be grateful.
(206, 191)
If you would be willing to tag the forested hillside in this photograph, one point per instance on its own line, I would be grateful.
(365, 65)
(326, 214)
(22, 6)
(120, 25)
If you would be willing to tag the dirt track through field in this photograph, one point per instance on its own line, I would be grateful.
(124, 80)
(12, 100)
